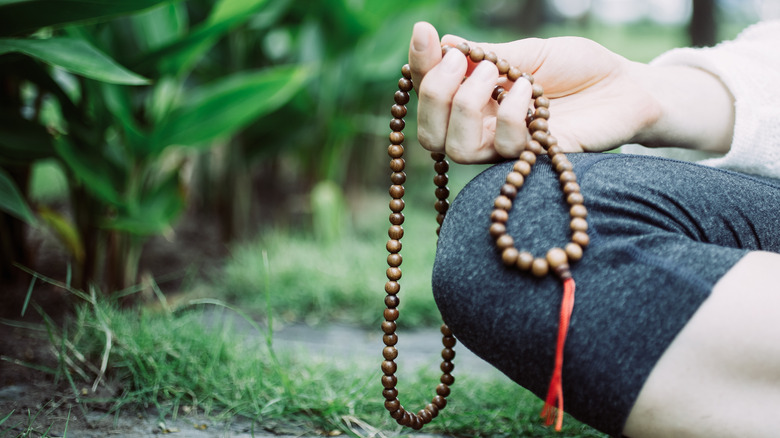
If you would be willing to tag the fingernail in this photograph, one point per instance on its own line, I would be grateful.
(419, 42)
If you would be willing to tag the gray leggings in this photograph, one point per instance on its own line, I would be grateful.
(662, 233)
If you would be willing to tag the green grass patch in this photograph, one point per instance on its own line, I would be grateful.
(208, 358)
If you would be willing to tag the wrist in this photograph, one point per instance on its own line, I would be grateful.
(692, 109)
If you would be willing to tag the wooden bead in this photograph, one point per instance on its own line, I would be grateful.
(578, 210)
(567, 176)
(496, 91)
(570, 188)
(425, 416)
(447, 367)
(392, 287)
(464, 48)
(442, 205)
(575, 198)
(541, 102)
(397, 205)
(397, 164)
(523, 167)
(573, 251)
(552, 141)
(445, 330)
(389, 353)
(524, 260)
(448, 354)
(528, 78)
(505, 241)
(396, 231)
(405, 84)
(389, 367)
(559, 159)
(398, 111)
(396, 219)
(503, 202)
(443, 390)
(499, 215)
(397, 124)
(496, 229)
(578, 224)
(439, 401)
(396, 191)
(539, 125)
(514, 74)
(447, 379)
(432, 409)
(394, 260)
(516, 178)
(393, 245)
(553, 149)
(536, 91)
(440, 180)
(401, 97)
(396, 137)
(395, 151)
(503, 66)
(392, 301)
(557, 257)
(393, 274)
(509, 190)
(390, 393)
(509, 256)
(398, 177)
(541, 137)
(580, 238)
(477, 54)
(448, 341)
(563, 165)
(389, 340)
(392, 405)
(406, 71)
(491, 56)
(442, 193)
(388, 327)
(440, 218)
(501, 97)
(540, 267)
(438, 156)
(541, 113)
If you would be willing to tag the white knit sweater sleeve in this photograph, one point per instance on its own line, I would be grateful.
(749, 66)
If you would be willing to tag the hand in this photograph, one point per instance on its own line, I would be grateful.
(598, 99)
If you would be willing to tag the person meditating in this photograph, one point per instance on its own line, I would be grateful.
(674, 328)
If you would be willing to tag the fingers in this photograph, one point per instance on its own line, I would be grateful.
(467, 138)
(437, 91)
(511, 131)
(424, 51)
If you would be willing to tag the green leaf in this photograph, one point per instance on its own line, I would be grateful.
(155, 209)
(12, 201)
(23, 141)
(19, 17)
(66, 231)
(96, 172)
(179, 55)
(75, 55)
(222, 108)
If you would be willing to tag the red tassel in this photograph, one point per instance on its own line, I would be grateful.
(553, 411)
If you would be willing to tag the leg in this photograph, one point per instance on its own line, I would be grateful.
(664, 233)
(721, 376)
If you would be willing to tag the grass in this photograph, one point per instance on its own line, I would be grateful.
(208, 358)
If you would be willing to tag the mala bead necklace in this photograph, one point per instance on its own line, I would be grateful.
(554, 262)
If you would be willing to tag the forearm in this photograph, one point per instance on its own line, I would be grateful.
(696, 110)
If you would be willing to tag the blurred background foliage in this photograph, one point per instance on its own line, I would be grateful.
(118, 119)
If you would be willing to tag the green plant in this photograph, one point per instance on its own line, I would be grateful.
(123, 149)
